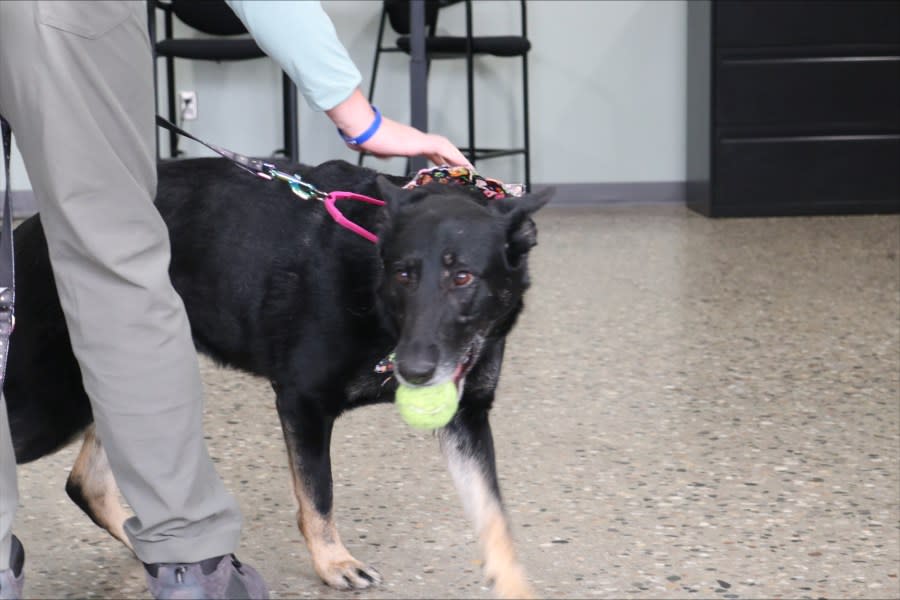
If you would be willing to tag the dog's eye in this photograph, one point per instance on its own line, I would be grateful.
(462, 278)
(402, 277)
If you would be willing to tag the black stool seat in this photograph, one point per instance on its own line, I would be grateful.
(444, 46)
(209, 49)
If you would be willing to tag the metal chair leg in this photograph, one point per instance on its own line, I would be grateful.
(151, 31)
(525, 128)
(289, 100)
(362, 155)
(170, 91)
(470, 82)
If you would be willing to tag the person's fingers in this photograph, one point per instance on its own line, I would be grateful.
(453, 156)
(440, 150)
(451, 159)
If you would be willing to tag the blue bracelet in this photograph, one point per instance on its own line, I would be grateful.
(365, 135)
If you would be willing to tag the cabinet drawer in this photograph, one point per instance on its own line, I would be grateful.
(803, 95)
(808, 175)
(756, 23)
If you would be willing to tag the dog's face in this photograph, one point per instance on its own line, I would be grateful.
(455, 267)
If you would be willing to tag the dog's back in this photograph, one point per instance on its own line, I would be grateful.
(257, 267)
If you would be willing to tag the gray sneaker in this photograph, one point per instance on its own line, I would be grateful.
(12, 580)
(222, 577)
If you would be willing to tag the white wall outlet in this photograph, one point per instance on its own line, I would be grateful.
(187, 101)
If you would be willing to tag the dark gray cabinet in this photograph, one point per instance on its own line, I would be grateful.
(793, 107)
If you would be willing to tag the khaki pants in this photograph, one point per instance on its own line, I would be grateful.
(76, 85)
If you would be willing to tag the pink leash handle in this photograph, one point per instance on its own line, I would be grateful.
(343, 221)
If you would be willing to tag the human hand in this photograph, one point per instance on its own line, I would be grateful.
(396, 139)
(354, 115)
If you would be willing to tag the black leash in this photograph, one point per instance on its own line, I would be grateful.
(253, 165)
(7, 260)
(265, 170)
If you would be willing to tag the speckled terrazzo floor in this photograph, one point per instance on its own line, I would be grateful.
(690, 408)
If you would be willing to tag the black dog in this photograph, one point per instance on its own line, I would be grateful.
(274, 287)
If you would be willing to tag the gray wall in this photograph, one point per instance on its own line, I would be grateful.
(607, 85)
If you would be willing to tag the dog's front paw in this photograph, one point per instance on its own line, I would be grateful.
(509, 582)
(513, 586)
(348, 574)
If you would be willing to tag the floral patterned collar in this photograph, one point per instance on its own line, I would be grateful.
(490, 188)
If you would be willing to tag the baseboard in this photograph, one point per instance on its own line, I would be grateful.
(594, 194)
(567, 194)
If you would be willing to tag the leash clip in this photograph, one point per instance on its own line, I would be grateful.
(385, 365)
(7, 312)
(303, 190)
(306, 191)
(7, 324)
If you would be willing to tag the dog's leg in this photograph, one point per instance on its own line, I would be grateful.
(308, 440)
(468, 447)
(92, 487)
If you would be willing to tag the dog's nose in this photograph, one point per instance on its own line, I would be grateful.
(417, 367)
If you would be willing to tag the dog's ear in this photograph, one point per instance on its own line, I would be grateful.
(521, 232)
(396, 197)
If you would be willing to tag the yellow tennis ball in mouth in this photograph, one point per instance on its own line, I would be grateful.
(429, 407)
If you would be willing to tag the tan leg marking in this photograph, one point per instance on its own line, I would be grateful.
(331, 560)
(92, 486)
(501, 566)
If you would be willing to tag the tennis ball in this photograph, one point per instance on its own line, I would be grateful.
(429, 407)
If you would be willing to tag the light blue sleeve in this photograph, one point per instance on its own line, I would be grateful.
(301, 38)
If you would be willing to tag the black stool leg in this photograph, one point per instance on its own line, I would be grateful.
(362, 155)
(289, 98)
(470, 82)
(170, 90)
(525, 127)
(151, 30)
(168, 27)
